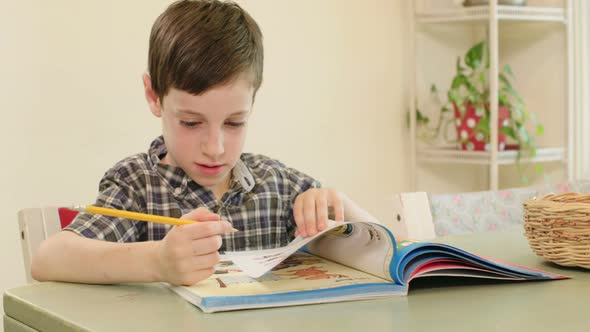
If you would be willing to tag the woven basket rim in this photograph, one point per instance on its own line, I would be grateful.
(557, 200)
(557, 227)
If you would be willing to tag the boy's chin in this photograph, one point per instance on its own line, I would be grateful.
(211, 182)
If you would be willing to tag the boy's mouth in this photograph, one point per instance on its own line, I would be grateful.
(209, 169)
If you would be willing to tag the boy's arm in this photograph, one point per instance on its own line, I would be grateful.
(186, 255)
(67, 256)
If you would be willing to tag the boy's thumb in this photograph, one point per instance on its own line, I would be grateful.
(227, 226)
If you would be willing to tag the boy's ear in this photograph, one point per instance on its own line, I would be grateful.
(151, 97)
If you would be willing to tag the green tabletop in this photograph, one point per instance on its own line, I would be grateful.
(530, 306)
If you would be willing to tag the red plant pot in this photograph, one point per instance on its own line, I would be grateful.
(473, 140)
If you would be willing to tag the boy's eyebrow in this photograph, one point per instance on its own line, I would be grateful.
(191, 112)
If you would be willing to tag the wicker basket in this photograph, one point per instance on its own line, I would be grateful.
(558, 228)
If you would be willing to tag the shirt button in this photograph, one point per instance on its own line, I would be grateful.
(178, 191)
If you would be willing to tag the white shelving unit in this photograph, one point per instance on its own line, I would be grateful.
(503, 13)
(455, 156)
(491, 15)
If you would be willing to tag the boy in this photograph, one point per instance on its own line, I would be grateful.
(205, 67)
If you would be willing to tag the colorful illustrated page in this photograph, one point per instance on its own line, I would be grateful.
(300, 271)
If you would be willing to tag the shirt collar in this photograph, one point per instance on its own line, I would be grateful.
(242, 176)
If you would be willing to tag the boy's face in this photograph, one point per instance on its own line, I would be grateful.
(204, 134)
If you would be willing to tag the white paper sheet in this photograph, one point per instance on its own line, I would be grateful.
(255, 263)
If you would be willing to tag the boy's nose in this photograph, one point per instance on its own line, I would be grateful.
(213, 144)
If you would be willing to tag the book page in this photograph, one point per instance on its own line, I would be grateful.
(299, 272)
(255, 263)
(415, 259)
(364, 246)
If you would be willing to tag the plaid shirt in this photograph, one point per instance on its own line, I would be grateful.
(258, 203)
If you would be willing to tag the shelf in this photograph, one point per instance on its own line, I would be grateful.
(425, 24)
(453, 155)
(505, 13)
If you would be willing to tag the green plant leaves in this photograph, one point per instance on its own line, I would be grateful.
(458, 81)
(505, 80)
(523, 135)
(458, 66)
(539, 128)
(483, 126)
(421, 119)
(475, 55)
(508, 131)
(470, 85)
(509, 90)
(508, 70)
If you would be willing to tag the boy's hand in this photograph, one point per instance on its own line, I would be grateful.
(311, 210)
(188, 253)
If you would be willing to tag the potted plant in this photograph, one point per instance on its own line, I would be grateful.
(468, 98)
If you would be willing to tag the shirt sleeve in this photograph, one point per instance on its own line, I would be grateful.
(115, 194)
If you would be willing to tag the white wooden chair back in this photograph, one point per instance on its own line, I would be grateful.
(412, 217)
(35, 225)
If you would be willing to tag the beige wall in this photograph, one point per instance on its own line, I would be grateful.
(331, 103)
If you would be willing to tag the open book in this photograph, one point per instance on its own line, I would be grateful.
(347, 261)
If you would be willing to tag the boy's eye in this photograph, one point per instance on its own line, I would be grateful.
(235, 124)
(189, 123)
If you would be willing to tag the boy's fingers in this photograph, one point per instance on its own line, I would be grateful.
(309, 216)
(201, 214)
(205, 246)
(194, 263)
(338, 210)
(298, 215)
(337, 206)
(195, 276)
(204, 261)
(322, 212)
(199, 230)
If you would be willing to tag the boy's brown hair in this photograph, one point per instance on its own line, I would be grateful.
(196, 45)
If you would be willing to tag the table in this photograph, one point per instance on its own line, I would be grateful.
(530, 306)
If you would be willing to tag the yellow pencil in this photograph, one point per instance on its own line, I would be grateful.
(133, 215)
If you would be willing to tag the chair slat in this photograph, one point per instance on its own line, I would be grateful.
(32, 233)
(51, 221)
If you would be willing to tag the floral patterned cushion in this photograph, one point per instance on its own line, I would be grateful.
(489, 210)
